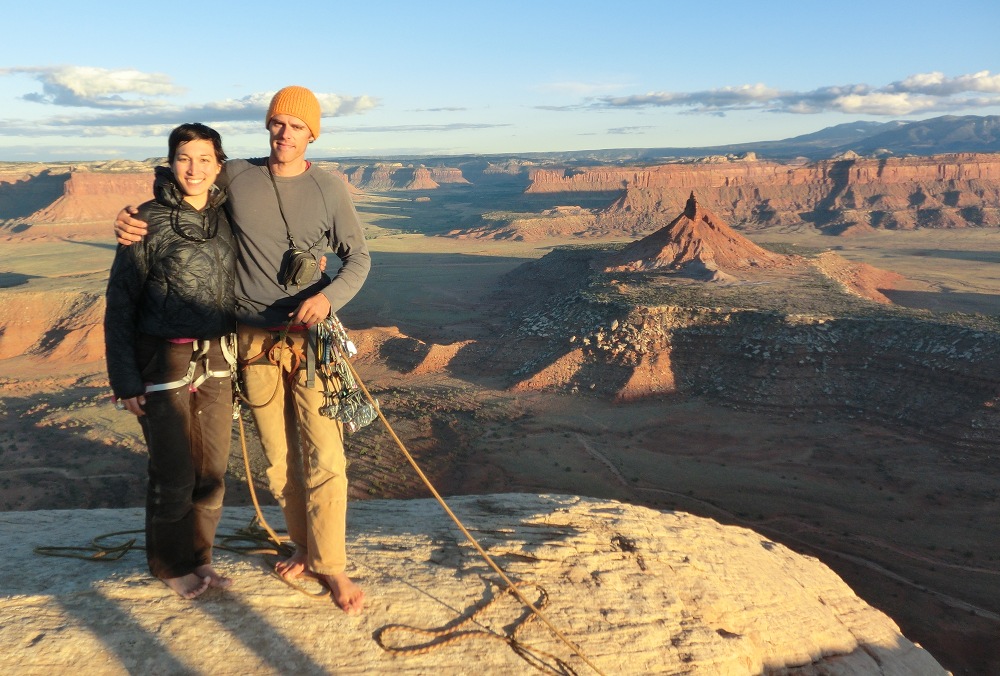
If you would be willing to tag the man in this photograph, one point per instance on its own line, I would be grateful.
(272, 202)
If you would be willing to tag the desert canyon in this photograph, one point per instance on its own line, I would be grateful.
(737, 415)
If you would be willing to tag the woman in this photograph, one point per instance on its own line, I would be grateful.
(168, 321)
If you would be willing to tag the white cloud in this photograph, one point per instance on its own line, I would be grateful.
(89, 87)
(920, 93)
(455, 126)
(880, 103)
(936, 84)
(132, 103)
(724, 97)
(629, 130)
(335, 105)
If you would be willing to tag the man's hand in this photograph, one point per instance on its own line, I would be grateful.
(129, 230)
(312, 310)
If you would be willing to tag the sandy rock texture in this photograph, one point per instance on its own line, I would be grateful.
(639, 591)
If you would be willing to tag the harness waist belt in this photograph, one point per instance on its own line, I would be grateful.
(199, 352)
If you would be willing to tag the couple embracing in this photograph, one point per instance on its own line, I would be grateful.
(200, 262)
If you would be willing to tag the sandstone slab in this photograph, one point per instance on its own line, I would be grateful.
(639, 591)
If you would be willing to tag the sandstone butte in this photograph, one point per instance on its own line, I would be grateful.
(696, 240)
(568, 336)
(638, 591)
(699, 244)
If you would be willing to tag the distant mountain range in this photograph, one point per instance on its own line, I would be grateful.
(946, 134)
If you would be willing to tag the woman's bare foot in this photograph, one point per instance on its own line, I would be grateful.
(293, 566)
(187, 586)
(346, 594)
(214, 579)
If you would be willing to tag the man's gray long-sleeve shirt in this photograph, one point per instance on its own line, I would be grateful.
(321, 217)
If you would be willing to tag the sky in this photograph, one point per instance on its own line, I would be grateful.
(109, 80)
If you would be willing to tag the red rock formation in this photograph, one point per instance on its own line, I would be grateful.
(377, 178)
(448, 175)
(389, 176)
(860, 279)
(88, 197)
(421, 180)
(334, 168)
(57, 327)
(956, 190)
(955, 167)
(562, 221)
(697, 242)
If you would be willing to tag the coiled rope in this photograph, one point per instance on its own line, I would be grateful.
(455, 632)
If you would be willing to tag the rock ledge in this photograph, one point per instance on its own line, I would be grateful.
(640, 591)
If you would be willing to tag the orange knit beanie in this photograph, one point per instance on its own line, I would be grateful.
(298, 102)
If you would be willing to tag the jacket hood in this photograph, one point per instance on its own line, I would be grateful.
(166, 191)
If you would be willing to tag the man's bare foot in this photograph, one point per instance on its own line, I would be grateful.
(214, 578)
(347, 595)
(293, 566)
(187, 586)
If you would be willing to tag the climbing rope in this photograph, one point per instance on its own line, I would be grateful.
(255, 541)
(96, 550)
(453, 632)
(511, 587)
(456, 632)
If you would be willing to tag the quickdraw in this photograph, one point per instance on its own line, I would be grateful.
(348, 405)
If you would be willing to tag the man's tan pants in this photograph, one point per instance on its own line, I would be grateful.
(305, 450)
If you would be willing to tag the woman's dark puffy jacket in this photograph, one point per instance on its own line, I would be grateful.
(177, 283)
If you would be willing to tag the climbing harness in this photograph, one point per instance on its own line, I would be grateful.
(275, 353)
(327, 348)
(199, 355)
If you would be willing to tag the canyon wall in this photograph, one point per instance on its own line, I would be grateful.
(89, 197)
(752, 172)
(36, 195)
(24, 193)
(959, 190)
(391, 176)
